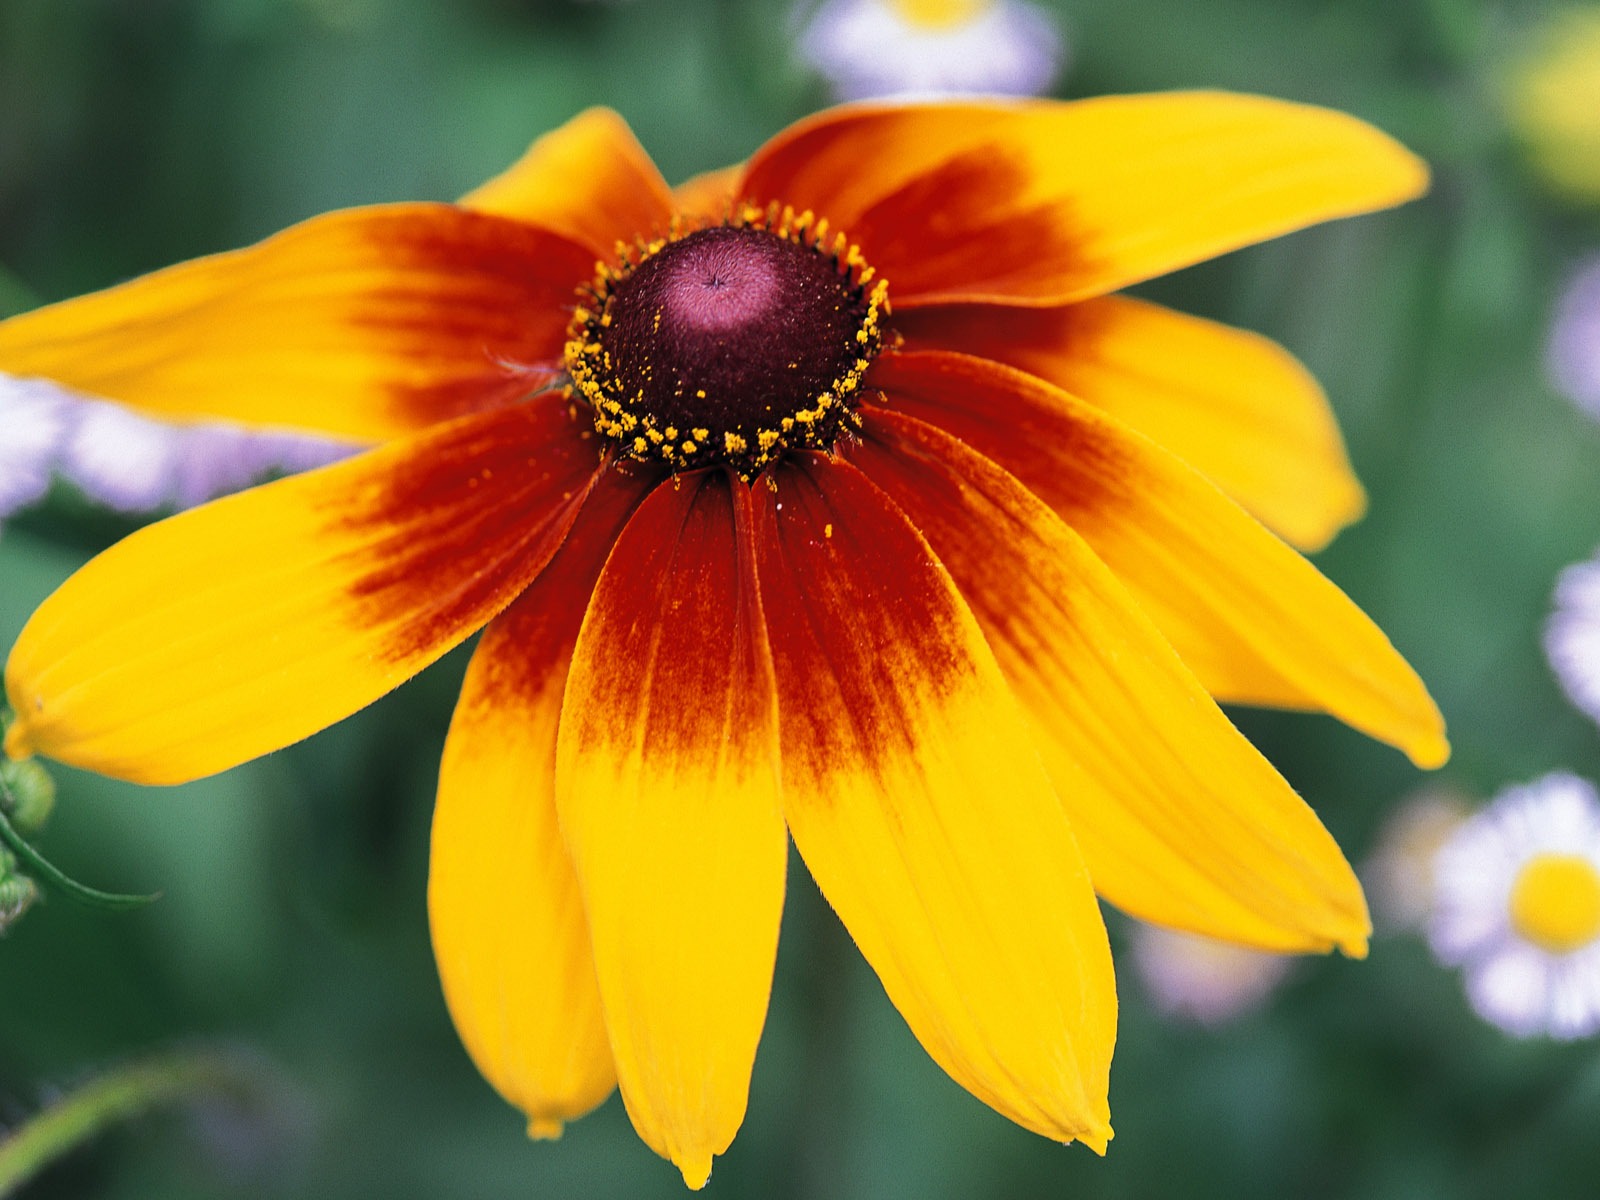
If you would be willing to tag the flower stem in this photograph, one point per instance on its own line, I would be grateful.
(119, 1094)
(53, 876)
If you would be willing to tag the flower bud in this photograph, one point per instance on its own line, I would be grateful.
(30, 794)
(17, 892)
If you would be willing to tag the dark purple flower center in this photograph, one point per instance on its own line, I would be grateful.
(728, 345)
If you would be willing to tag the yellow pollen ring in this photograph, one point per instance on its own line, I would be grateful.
(1555, 902)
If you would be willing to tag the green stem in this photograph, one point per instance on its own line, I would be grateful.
(119, 1095)
(40, 866)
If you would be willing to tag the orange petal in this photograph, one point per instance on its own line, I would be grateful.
(1044, 202)
(1255, 621)
(917, 800)
(1180, 820)
(589, 180)
(1233, 404)
(244, 625)
(509, 932)
(666, 781)
(364, 324)
(709, 196)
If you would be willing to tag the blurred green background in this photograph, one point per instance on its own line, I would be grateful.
(134, 133)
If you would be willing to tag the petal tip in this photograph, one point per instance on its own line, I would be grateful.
(1430, 753)
(696, 1169)
(17, 745)
(1399, 174)
(1417, 175)
(1347, 509)
(1352, 941)
(1097, 1139)
(1353, 948)
(545, 1129)
(1315, 534)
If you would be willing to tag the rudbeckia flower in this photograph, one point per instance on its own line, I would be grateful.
(830, 497)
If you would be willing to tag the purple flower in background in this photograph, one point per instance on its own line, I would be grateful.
(129, 462)
(33, 421)
(1572, 635)
(1574, 355)
(134, 464)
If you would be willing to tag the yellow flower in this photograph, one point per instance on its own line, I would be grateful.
(1555, 103)
(885, 543)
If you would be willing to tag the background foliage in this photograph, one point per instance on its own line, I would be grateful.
(134, 133)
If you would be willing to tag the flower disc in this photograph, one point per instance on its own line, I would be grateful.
(728, 345)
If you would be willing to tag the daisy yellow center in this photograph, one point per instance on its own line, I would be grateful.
(728, 345)
(1555, 902)
(939, 14)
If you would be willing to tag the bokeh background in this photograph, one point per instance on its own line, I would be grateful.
(134, 133)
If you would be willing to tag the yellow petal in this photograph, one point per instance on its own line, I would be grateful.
(241, 626)
(1249, 616)
(508, 928)
(667, 786)
(589, 180)
(709, 196)
(1180, 820)
(1044, 202)
(365, 324)
(919, 804)
(1233, 404)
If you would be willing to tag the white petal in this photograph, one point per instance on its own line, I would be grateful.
(119, 459)
(1511, 988)
(1574, 1009)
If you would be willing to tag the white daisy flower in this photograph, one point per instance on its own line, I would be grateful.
(1399, 874)
(870, 48)
(1201, 979)
(1573, 356)
(130, 462)
(1517, 906)
(1572, 635)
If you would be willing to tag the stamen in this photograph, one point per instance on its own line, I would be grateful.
(1555, 902)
